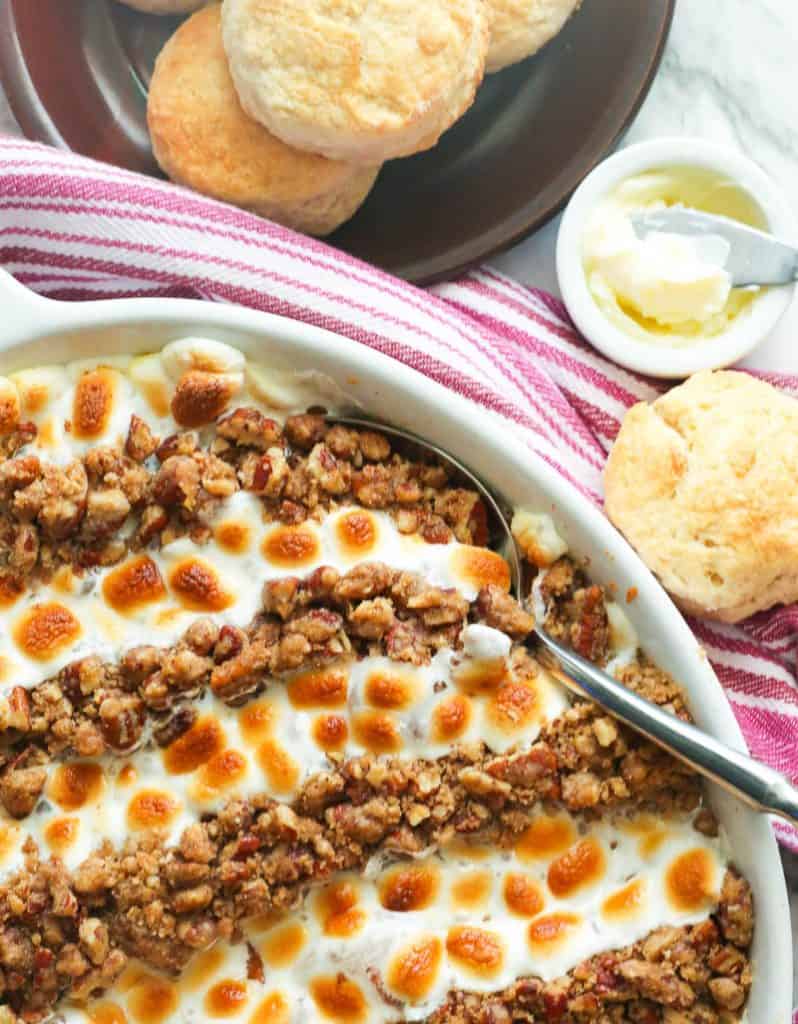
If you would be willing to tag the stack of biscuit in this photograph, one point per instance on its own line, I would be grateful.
(288, 108)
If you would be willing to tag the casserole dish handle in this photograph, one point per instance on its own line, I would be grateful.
(23, 313)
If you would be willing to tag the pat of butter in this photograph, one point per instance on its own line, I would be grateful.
(665, 277)
(666, 289)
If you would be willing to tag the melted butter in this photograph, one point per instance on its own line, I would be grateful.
(694, 187)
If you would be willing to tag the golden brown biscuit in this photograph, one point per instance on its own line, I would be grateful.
(519, 28)
(164, 6)
(202, 138)
(704, 484)
(362, 80)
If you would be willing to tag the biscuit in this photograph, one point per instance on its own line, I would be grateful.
(203, 139)
(164, 6)
(704, 484)
(361, 80)
(519, 28)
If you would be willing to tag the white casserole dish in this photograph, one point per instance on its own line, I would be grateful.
(35, 331)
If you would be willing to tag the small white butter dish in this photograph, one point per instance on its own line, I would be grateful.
(628, 347)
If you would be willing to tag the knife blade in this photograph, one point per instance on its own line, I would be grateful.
(754, 257)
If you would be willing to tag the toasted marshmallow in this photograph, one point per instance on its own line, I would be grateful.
(204, 354)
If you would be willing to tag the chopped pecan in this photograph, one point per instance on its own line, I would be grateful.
(141, 442)
(173, 728)
(177, 482)
(122, 722)
(250, 428)
(231, 640)
(106, 511)
(15, 710)
(305, 430)
(501, 611)
(22, 782)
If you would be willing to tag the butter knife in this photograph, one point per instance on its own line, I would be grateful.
(754, 257)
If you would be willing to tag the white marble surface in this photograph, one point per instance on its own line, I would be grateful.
(730, 75)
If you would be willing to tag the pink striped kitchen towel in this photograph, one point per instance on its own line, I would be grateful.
(74, 229)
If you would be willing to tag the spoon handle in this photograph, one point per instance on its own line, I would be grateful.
(756, 785)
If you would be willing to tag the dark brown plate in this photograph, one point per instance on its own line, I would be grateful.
(76, 74)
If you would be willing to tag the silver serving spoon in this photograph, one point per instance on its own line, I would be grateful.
(753, 258)
(755, 784)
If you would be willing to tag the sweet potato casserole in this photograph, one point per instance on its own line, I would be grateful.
(275, 749)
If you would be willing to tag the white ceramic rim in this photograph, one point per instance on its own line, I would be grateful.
(744, 334)
(34, 331)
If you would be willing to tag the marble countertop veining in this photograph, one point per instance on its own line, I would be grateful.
(730, 74)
